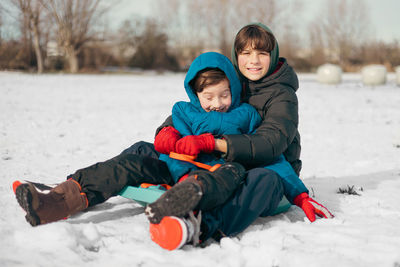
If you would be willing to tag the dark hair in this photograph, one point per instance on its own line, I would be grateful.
(255, 36)
(207, 77)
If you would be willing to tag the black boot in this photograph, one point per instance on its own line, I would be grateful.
(203, 190)
(177, 201)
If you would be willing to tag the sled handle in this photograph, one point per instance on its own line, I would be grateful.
(191, 159)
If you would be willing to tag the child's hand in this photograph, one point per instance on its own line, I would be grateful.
(195, 144)
(166, 139)
(311, 207)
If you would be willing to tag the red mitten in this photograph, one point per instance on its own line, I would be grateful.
(195, 144)
(311, 207)
(166, 139)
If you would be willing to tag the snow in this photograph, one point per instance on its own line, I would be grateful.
(52, 125)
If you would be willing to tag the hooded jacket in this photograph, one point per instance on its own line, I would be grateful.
(274, 97)
(189, 118)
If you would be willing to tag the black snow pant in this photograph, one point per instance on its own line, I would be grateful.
(259, 195)
(140, 164)
(134, 166)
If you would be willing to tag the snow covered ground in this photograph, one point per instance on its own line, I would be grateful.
(51, 125)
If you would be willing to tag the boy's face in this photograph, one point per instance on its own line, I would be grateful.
(216, 97)
(253, 64)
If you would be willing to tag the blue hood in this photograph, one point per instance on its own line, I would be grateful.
(213, 60)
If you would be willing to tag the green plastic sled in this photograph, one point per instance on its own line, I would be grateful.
(150, 194)
(141, 195)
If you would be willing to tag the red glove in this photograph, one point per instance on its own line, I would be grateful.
(311, 207)
(194, 144)
(166, 139)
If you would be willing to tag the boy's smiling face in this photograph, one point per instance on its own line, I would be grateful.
(253, 63)
(216, 97)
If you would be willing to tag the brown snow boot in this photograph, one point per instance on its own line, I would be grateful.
(58, 203)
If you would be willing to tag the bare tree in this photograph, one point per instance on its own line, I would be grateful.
(29, 17)
(316, 47)
(1, 24)
(152, 51)
(183, 26)
(127, 39)
(197, 25)
(31, 12)
(343, 25)
(201, 25)
(285, 28)
(75, 20)
(265, 11)
(217, 18)
(220, 20)
(34, 10)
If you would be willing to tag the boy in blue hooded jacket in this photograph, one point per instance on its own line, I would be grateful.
(211, 110)
(214, 109)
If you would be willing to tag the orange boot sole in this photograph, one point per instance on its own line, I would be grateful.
(171, 233)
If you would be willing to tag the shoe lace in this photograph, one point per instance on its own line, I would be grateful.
(196, 221)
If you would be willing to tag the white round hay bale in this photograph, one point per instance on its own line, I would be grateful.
(374, 75)
(329, 74)
(397, 69)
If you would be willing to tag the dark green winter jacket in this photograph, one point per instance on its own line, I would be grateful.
(275, 99)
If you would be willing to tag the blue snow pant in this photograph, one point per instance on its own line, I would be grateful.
(258, 196)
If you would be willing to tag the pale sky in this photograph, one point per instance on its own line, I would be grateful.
(384, 15)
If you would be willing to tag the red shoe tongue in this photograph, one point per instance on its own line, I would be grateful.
(15, 185)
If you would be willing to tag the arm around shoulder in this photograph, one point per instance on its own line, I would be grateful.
(166, 123)
(274, 135)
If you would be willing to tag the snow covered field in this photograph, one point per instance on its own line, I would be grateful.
(51, 125)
